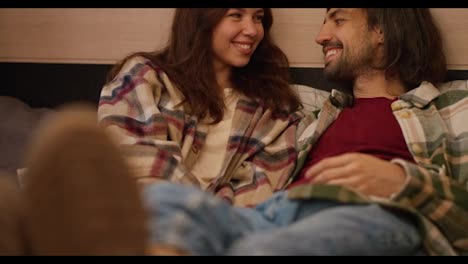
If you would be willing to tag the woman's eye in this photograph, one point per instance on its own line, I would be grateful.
(259, 18)
(235, 15)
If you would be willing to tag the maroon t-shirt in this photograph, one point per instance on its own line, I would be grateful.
(367, 127)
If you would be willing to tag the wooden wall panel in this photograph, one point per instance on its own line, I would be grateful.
(104, 35)
(80, 35)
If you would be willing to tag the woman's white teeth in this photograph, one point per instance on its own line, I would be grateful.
(244, 46)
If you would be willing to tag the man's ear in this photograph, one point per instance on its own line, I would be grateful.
(380, 35)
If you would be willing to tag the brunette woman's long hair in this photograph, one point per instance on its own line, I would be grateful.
(188, 57)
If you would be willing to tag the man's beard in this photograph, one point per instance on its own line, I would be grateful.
(344, 70)
(348, 67)
(341, 70)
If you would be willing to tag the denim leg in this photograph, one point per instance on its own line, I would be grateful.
(343, 229)
(193, 220)
(276, 211)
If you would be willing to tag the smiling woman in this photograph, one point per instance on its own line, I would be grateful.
(219, 68)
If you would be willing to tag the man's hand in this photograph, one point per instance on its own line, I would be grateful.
(361, 172)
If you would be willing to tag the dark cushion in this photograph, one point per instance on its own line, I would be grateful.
(18, 121)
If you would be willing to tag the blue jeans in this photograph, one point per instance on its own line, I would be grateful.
(193, 220)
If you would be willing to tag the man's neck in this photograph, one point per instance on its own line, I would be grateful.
(376, 85)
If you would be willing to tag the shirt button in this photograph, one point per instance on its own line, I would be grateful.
(396, 106)
(417, 148)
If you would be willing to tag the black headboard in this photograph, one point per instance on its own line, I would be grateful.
(51, 85)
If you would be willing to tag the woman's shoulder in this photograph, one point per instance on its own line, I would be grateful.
(139, 69)
(138, 64)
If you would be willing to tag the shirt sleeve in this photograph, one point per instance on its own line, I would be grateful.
(129, 110)
(439, 198)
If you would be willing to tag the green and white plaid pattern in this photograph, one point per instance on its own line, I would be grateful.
(434, 122)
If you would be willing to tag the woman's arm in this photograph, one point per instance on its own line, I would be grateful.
(150, 139)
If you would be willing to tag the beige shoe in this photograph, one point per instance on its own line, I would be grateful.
(11, 234)
(80, 198)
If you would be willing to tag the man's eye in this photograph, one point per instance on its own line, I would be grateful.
(339, 21)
